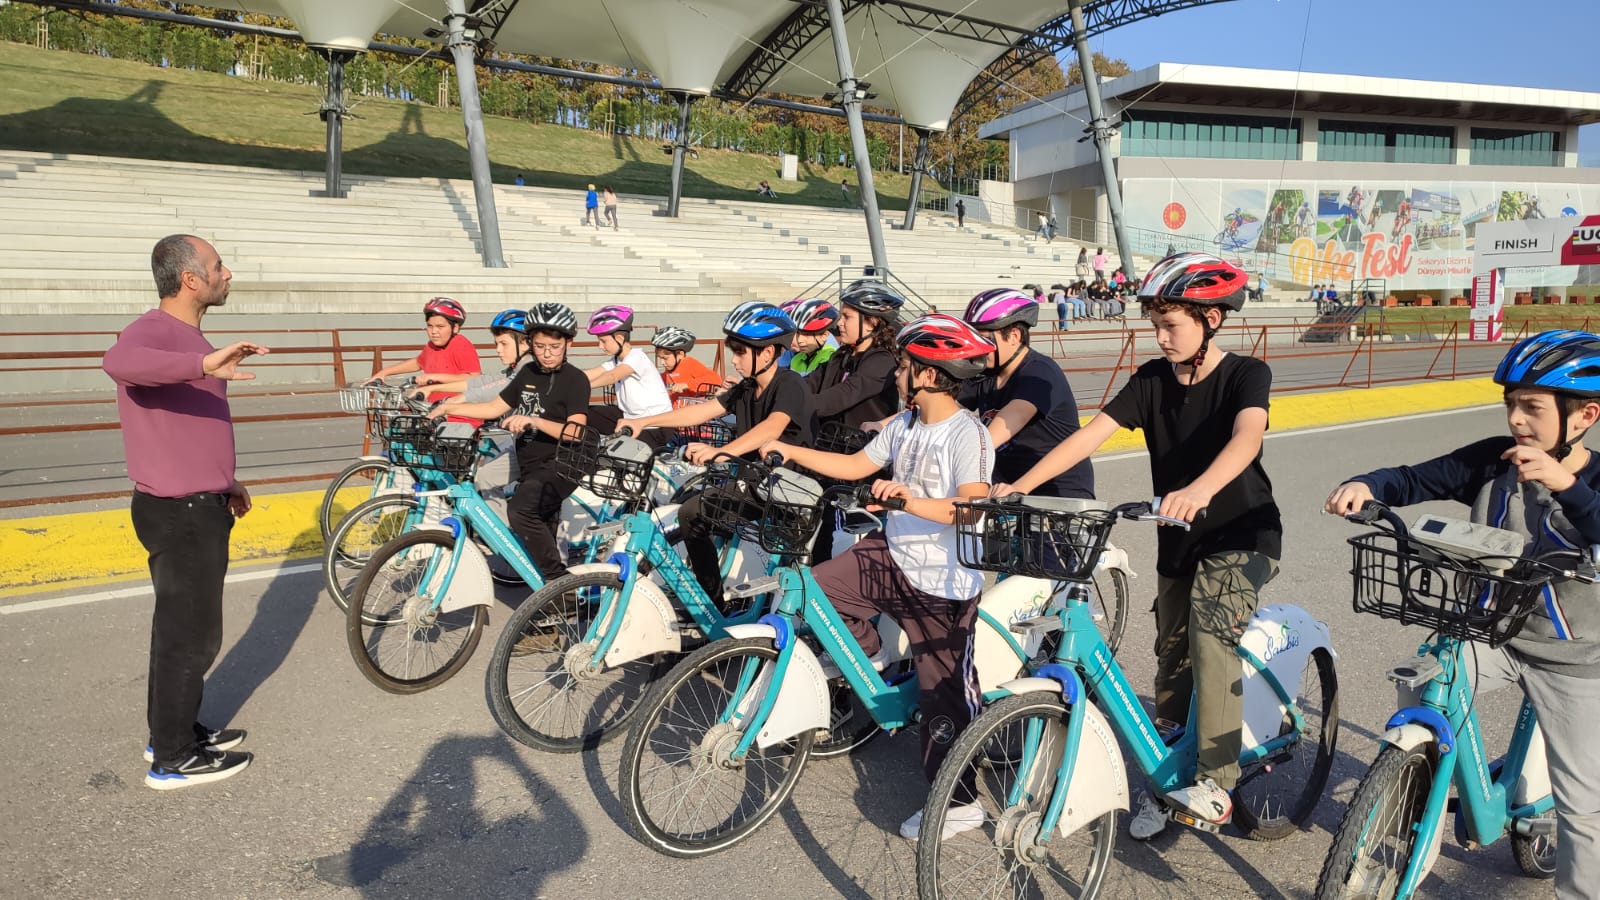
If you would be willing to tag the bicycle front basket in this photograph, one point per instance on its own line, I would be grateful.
(1416, 584)
(1039, 537)
(790, 508)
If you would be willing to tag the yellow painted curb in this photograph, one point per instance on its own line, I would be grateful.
(85, 549)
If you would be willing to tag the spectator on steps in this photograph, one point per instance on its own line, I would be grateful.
(765, 190)
(1100, 263)
(520, 181)
(611, 207)
(591, 208)
(961, 214)
(1082, 267)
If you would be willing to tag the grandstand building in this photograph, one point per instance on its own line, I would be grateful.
(1311, 177)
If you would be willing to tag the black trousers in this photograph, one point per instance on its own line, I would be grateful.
(605, 416)
(534, 513)
(697, 532)
(187, 540)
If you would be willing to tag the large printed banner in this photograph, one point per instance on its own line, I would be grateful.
(1414, 236)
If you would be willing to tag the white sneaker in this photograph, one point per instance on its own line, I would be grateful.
(959, 819)
(1149, 820)
(1205, 801)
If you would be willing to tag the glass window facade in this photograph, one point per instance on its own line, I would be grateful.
(1174, 134)
(1385, 142)
(1514, 147)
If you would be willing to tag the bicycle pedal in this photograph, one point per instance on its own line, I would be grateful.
(1195, 822)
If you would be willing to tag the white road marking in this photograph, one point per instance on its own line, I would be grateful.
(141, 590)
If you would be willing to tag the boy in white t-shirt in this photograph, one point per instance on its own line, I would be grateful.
(640, 390)
(940, 453)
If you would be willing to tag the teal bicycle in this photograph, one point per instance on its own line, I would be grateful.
(719, 743)
(1027, 800)
(575, 658)
(1469, 583)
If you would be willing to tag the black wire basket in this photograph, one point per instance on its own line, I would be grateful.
(405, 428)
(380, 419)
(837, 437)
(1040, 537)
(615, 468)
(726, 502)
(1484, 600)
(454, 456)
(789, 507)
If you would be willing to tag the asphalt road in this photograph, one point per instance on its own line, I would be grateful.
(357, 793)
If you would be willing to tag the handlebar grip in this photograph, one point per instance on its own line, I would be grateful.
(897, 504)
(625, 431)
(773, 459)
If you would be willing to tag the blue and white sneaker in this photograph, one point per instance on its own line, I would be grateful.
(205, 765)
(210, 738)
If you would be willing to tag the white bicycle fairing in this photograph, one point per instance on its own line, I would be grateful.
(1282, 636)
(802, 701)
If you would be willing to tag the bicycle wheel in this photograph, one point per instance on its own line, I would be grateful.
(1276, 796)
(360, 534)
(1378, 836)
(1003, 856)
(682, 792)
(399, 638)
(1109, 603)
(349, 489)
(1535, 853)
(541, 690)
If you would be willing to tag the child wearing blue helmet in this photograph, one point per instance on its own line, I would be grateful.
(1541, 482)
(769, 403)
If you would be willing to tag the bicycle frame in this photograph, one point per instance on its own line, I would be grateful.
(646, 542)
(1085, 669)
(1486, 797)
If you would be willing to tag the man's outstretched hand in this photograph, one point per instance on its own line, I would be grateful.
(224, 363)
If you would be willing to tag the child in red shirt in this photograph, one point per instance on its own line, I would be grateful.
(447, 356)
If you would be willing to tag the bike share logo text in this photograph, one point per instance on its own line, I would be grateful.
(1286, 639)
(1379, 258)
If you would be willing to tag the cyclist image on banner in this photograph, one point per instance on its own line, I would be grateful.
(1337, 219)
(1241, 227)
(1538, 487)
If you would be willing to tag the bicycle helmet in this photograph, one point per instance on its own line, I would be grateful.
(671, 337)
(814, 316)
(1198, 278)
(946, 343)
(873, 298)
(758, 324)
(611, 319)
(1000, 308)
(444, 306)
(509, 320)
(555, 317)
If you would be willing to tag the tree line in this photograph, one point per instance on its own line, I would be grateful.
(815, 138)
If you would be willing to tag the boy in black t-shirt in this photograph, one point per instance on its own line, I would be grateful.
(1023, 396)
(770, 403)
(1204, 416)
(541, 399)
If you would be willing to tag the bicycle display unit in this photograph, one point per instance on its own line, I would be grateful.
(1042, 761)
(1469, 589)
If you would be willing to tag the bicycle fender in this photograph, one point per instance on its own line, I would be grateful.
(471, 585)
(1282, 636)
(802, 703)
(649, 626)
(1115, 558)
(1409, 736)
(1099, 779)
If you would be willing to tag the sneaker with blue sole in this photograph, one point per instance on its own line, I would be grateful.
(202, 767)
(211, 738)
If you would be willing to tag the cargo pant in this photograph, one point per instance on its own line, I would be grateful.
(1199, 620)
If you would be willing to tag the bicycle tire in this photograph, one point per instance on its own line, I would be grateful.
(541, 635)
(1255, 811)
(377, 620)
(330, 510)
(982, 753)
(1535, 853)
(641, 761)
(361, 533)
(1391, 797)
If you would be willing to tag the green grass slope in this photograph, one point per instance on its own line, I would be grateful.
(64, 102)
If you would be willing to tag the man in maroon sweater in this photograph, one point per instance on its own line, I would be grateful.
(172, 397)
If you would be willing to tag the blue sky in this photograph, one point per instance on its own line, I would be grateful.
(1537, 43)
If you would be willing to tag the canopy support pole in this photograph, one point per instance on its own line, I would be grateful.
(680, 150)
(461, 46)
(918, 163)
(850, 99)
(1102, 130)
(333, 112)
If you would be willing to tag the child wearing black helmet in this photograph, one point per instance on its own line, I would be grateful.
(1543, 483)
